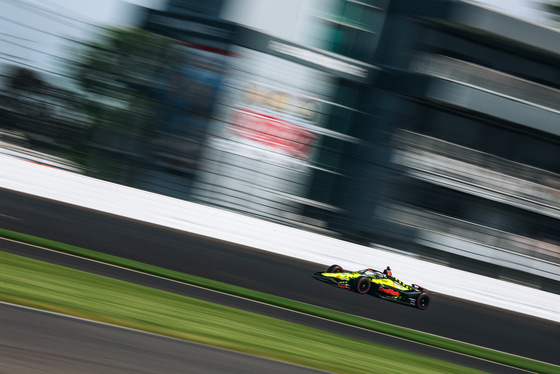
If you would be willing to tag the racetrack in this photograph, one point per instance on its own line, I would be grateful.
(505, 331)
(134, 277)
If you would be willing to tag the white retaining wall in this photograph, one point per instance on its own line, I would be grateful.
(68, 187)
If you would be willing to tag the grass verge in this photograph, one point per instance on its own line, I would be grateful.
(460, 347)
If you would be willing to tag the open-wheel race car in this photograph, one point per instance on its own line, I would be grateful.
(378, 283)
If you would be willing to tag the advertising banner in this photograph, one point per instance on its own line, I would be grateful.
(277, 118)
(258, 159)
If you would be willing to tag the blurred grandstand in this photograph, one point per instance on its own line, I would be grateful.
(428, 127)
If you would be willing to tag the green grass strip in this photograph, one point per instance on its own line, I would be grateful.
(436, 341)
(73, 292)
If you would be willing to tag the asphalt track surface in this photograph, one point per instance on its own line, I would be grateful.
(49, 343)
(450, 317)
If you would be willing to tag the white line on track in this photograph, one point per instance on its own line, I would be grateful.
(10, 217)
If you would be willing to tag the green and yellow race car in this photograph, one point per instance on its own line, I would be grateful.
(378, 283)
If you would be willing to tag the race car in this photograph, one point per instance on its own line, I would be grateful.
(378, 283)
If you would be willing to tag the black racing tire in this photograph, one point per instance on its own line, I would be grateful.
(361, 285)
(423, 301)
(335, 269)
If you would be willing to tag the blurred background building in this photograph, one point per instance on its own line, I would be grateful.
(431, 127)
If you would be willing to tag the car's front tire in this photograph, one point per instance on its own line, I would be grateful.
(361, 285)
(423, 301)
(335, 269)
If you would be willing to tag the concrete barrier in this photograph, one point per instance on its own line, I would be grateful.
(73, 188)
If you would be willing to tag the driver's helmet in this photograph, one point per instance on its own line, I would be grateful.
(369, 272)
(388, 271)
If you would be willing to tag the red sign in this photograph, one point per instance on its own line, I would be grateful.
(292, 138)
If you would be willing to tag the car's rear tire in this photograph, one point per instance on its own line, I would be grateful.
(423, 301)
(361, 285)
(335, 269)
